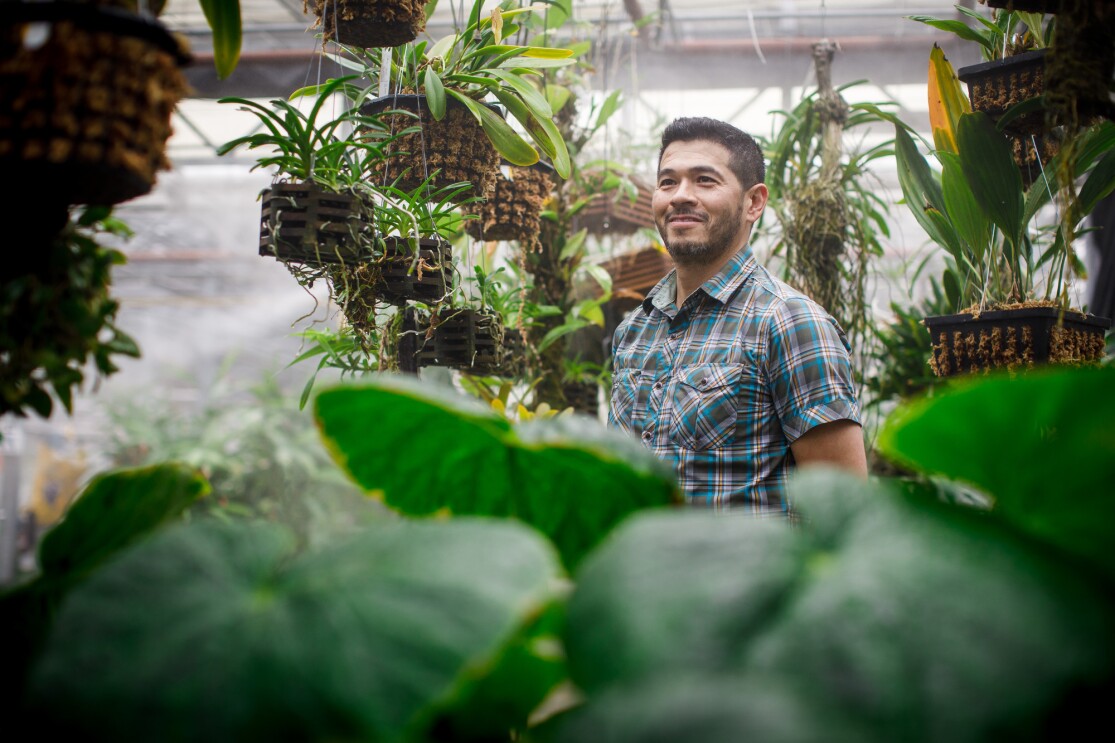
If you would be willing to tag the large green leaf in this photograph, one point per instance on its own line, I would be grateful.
(569, 477)
(922, 190)
(113, 511)
(223, 17)
(992, 174)
(896, 610)
(1041, 444)
(964, 213)
(214, 632)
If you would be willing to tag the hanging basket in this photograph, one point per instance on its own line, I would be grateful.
(513, 211)
(305, 224)
(1012, 338)
(465, 339)
(422, 278)
(369, 24)
(1029, 6)
(614, 214)
(456, 146)
(86, 96)
(996, 86)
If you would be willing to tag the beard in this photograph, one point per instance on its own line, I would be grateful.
(720, 239)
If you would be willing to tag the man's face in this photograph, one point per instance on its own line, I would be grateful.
(699, 205)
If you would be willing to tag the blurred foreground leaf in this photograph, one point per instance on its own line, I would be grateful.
(1041, 444)
(915, 620)
(216, 632)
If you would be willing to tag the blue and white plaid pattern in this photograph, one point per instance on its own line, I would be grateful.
(723, 385)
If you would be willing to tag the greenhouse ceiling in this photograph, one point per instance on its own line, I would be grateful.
(681, 38)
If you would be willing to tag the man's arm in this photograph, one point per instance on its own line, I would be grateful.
(839, 443)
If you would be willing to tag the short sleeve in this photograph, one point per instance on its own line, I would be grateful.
(808, 367)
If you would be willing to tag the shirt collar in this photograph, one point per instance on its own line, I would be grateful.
(720, 287)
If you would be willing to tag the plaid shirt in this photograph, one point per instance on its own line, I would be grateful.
(721, 386)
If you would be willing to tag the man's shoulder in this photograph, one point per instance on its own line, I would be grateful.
(770, 296)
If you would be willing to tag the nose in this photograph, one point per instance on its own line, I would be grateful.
(683, 193)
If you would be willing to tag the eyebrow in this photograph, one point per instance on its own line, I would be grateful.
(697, 169)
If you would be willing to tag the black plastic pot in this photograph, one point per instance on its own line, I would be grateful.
(995, 86)
(303, 223)
(964, 343)
(85, 105)
(424, 277)
(465, 339)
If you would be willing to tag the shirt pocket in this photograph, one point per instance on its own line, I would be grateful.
(705, 403)
(625, 397)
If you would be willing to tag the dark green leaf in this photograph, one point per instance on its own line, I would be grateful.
(113, 511)
(223, 17)
(1028, 440)
(992, 175)
(233, 636)
(569, 478)
(896, 610)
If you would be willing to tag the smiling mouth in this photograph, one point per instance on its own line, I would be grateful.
(684, 219)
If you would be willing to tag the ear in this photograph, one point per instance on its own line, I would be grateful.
(757, 197)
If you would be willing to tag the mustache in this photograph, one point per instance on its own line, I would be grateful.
(686, 212)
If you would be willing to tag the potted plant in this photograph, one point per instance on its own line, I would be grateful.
(1005, 271)
(448, 87)
(1014, 48)
(368, 23)
(513, 210)
(469, 334)
(86, 95)
(319, 210)
(413, 258)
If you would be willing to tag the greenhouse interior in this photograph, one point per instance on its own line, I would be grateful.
(558, 371)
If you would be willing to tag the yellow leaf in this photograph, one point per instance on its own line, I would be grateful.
(498, 406)
(497, 25)
(524, 414)
(947, 100)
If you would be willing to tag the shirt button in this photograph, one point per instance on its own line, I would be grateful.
(646, 435)
(657, 385)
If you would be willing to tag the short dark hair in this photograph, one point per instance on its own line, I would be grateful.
(745, 157)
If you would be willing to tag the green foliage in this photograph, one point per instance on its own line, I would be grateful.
(1004, 34)
(261, 454)
(977, 209)
(886, 615)
(901, 350)
(565, 476)
(858, 219)
(472, 64)
(115, 511)
(1057, 422)
(57, 315)
(338, 154)
(353, 641)
(223, 17)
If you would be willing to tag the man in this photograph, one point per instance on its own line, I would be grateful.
(725, 371)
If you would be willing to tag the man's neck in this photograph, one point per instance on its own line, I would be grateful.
(690, 277)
